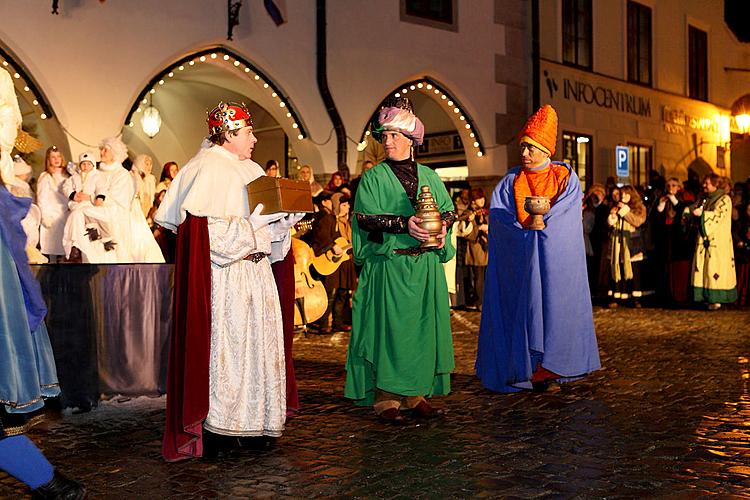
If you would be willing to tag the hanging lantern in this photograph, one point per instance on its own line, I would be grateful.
(151, 121)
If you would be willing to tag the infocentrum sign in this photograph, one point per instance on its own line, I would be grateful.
(606, 98)
(599, 95)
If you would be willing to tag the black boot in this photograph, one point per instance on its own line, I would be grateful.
(59, 487)
(75, 256)
(217, 445)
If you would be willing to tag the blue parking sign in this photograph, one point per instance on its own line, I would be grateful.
(622, 161)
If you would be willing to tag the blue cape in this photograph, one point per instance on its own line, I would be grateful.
(13, 210)
(536, 303)
(27, 364)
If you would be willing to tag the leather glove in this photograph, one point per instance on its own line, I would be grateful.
(259, 221)
(289, 220)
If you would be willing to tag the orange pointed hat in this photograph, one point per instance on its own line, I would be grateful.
(541, 129)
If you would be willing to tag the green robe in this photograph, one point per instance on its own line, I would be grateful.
(401, 336)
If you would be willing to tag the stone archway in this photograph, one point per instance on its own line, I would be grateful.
(39, 119)
(451, 136)
(187, 89)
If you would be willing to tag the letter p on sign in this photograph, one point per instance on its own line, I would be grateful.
(622, 163)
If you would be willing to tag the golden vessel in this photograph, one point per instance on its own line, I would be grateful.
(427, 210)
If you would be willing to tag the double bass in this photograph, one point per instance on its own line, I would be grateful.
(310, 296)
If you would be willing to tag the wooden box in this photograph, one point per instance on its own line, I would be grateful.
(279, 195)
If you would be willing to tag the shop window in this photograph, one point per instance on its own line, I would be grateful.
(639, 43)
(436, 13)
(576, 31)
(697, 64)
(577, 150)
(640, 164)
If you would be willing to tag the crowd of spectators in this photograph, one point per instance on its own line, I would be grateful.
(643, 244)
(668, 244)
(94, 211)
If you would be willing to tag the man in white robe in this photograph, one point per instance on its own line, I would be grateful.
(116, 229)
(246, 393)
(84, 190)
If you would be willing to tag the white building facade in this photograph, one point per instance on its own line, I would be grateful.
(93, 69)
(656, 77)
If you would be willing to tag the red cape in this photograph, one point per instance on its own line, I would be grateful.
(190, 343)
(283, 273)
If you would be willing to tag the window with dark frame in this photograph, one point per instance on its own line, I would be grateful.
(639, 43)
(697, 64)
(640, 164)
(435, 13)
(577, 152)
(577, 29)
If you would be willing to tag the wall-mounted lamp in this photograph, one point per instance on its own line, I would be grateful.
(741, 114)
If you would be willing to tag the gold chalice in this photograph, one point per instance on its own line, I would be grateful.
(537, 206)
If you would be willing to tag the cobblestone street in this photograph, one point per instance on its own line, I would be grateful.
(667, 416)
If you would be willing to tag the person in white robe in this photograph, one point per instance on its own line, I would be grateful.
(33, 219)
(247, 386)
(53, 204)
(84, 190)
(115, 226)
(145, 182)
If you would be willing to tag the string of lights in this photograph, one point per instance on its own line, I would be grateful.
(235, 62)
(428, 86)
(24, 83)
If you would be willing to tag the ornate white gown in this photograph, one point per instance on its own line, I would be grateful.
(247, 383)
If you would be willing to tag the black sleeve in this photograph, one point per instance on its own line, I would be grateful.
(449, 217)
(383, 223)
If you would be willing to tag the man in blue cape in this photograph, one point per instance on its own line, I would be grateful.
(537, 324)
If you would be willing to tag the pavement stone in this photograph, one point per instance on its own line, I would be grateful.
(668, 416)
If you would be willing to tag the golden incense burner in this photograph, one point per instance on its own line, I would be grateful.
(427, 210)
(537, 206)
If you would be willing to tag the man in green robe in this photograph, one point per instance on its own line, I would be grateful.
(401, 348)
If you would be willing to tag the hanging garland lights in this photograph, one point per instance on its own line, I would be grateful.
(467, 129)
(25, 85)
(234, 62)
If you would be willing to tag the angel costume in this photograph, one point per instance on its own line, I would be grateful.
(119, 221)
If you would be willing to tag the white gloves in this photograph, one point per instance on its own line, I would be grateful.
(289, 220)
(259, 221)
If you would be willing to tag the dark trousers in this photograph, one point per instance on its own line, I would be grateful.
(338, 307)
(477, 280)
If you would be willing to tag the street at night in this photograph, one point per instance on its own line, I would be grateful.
(667, 416)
